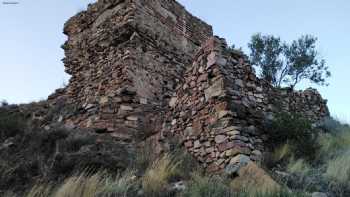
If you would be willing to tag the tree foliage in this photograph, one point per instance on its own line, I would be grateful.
(288, 64)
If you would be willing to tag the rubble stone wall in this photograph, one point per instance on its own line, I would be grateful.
(309, 102)
(125, 58)
(138, 71)
(220, 109)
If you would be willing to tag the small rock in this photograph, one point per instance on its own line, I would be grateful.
(240, 159)
(223, 113)
(174, 122)
(143, 101)
(217, 89)
(188, 131)
(172, 102)
(209, 150)
(89, 106)
(104, 100)
(233, 133)
(197, 144)
(239, 83)
(132, 118)
(188, 144)
(232, 152)
(201, 69)
(319, 194)
(203, 77)
(257, 153)
(220, 139)
(231, 169)
(178, 186)
(126, 108)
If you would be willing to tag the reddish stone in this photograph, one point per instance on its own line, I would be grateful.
(213, 168)
(212, 120)
(225, 146)
(203, 77)
(188, 144)
(221, 106)
(197, 127)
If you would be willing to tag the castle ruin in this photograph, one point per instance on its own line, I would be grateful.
(146, 69)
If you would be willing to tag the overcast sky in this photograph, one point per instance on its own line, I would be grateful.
(31, 36)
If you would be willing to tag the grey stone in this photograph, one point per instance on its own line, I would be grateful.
(319, 194)
(220, 139)
(239, 83)
(126, 108)
(240, 159)
(188, 131)
(217, 89)
(197, 144)
(231, 169)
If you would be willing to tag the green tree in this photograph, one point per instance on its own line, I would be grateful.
(288, 64)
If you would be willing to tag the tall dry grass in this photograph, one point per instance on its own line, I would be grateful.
(158, 174)
(86, 185)
(338, 169)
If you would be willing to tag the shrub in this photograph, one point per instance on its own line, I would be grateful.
(207, 186)
(74, 143)
(3, 103)
(12, 123)
(281, 153)
(298, 166)
(296, 131)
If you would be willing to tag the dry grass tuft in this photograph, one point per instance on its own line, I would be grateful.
(282, 152)
(298, 166)
(85, 185)
(81, 186)
(333, 143)
(255, 180)
(158, 174)
(338, 169)
(40, 191)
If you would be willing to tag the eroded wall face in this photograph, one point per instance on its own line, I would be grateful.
(125, 59)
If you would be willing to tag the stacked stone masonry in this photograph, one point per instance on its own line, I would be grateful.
(142, 69)
(125, 59)
(220, 109)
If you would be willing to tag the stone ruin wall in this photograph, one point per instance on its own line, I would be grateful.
(220, 109)
(125, 59)
(139, 72)
(214, 111)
